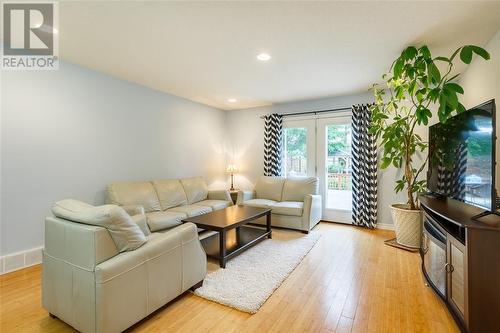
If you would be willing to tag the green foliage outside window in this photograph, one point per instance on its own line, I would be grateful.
(296, 142)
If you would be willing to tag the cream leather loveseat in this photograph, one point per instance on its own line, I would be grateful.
(103, 271)
(295, 202)
(167, 202)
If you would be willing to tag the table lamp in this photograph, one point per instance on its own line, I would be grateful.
(232, 169)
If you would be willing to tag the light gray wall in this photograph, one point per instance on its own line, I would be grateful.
(68, 133)
(246, 142)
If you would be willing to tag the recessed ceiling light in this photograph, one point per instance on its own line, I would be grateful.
(232, 100)
(263, 57)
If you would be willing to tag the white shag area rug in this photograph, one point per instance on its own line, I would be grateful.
(250, 278)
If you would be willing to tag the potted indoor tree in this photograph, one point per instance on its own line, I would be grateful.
(417, 86)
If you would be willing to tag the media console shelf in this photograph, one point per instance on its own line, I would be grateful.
(471, 270)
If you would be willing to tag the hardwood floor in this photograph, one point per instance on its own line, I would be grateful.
(349, 282)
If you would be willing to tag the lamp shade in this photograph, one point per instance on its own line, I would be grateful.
(232, 168)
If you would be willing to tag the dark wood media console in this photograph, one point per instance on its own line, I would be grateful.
(470, 283)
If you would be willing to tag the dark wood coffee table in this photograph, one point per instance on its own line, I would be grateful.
(234, 235)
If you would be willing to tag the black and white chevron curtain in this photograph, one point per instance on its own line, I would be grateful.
(452, 182)
(364, 168)
(273, 140)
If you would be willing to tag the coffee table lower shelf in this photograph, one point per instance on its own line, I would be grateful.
(237, 240)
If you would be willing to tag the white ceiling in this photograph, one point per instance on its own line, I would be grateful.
(205, 51)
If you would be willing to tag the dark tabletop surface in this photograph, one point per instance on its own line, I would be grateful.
(227, 218)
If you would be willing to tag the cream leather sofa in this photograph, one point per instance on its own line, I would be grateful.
(93, 287)
(167, 202)
(295, 202)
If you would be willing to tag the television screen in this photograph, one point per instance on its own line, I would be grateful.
(462, 157)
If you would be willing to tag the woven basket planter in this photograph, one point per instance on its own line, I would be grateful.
(407, 224)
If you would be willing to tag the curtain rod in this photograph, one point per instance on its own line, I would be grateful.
(312, 112)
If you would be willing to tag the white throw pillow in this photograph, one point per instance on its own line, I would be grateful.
(125, 232)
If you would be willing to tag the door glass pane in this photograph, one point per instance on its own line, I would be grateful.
(296, 151)
(338, 167)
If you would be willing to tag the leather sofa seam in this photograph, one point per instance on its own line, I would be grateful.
(67, 262)
(138, 265)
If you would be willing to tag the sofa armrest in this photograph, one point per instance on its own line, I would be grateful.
(194, 268)
(78, 244)
(244, 196)
(313, 211)
(220, 195)
(179, 241)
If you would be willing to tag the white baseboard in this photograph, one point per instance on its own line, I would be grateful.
(16, 261)
(385, 226)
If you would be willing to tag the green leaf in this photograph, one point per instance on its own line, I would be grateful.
(386, 161)
(455, 54)
(410, 52)
(423, 114)
(454, 87)
(424, 51)
(434, 94)
(396, 163)
(412, 87)
(442, 59)
(398, 68)
(428, 113)
(400, 185)
(452, 99)
(453, 78)
(460, 108)
(442, 108)
(480, 52)
(466, 54)
(433, 72)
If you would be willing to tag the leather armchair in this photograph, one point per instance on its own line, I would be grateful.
(88, 284)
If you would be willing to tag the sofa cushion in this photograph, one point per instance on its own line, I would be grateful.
(269, 188)
(214, 204)
(295, 188)
(292, 208)
(191, 210)
(196, 189)
(125, 233)
(142, 223)
(262, 203)
(170, 193)
(164, 220)
(134, 193)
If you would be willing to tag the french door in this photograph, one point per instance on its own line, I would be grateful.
(321, 147)
(335, 167)
(299, 147)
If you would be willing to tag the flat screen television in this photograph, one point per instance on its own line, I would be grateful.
(462, 157)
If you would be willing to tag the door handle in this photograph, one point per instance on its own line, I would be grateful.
(449, 268)
(425, 249)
